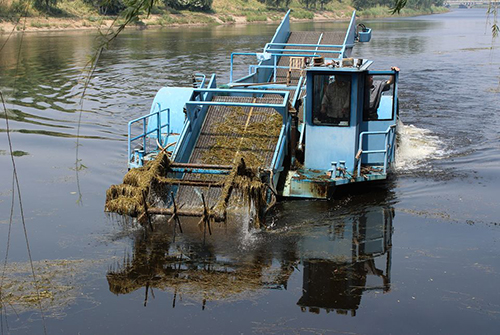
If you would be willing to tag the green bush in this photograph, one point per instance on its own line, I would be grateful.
(39, 25)
(155, 10)
(226, 18)
(193, 5)
(256, 17)
(45, 5)
(302, 14)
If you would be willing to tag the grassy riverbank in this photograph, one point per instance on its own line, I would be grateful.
(79, 14)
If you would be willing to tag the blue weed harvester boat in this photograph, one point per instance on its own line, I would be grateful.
(301, 119)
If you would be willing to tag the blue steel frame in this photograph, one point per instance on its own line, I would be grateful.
(273, 48)
(201, 171)
(342, 47)
(281, 108)
(275, 61)
(350, 35)
(191, 126)
(275, 56)
(200, 78)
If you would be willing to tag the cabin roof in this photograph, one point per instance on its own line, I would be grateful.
(342, 65)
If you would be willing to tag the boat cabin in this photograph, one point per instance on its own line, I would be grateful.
(349, 124)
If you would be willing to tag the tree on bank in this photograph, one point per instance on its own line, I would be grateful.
(194, 5)
(396, 5)
(276, 3)
(115, 7)
(308, 3)
(322, 3)
(491, 14)
(44, 5)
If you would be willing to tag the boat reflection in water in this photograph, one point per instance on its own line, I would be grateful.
(353, 258)
(340, 259)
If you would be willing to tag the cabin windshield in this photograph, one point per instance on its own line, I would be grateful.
(331, 100)
(378, 100)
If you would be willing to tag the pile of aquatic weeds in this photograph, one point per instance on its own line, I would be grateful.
(134, 196)
(247, 183)
(243, 134)
(130, 197)
(59, 284)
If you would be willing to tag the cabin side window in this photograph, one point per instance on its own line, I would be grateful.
(331, 100)
(378, 98)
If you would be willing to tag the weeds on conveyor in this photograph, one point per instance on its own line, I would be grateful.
(130, 197)
(142, 185)
(251, 137)
(246, 183)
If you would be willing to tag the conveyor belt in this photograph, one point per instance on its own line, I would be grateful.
(227, 133)
(228, 130)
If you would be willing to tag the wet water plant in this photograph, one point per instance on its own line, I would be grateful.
(142, 186)
(54, 289)
(239, 135)
(129, 197)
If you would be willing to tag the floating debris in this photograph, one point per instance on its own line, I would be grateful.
(58, 282)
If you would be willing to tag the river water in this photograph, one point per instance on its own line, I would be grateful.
(419, 255)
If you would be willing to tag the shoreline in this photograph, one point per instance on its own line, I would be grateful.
(55, 24)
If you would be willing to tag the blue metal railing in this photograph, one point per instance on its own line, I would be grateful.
(145, 132)
(275, 59)
(275, 53)
(280, 150)
(351, 31)
(298, 91)
(199, 80)
(315, 46)
(304, 53)
(281, 107)
(268, 47)
(388, 150)
(205, 170)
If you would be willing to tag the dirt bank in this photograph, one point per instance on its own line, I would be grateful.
(36, 24)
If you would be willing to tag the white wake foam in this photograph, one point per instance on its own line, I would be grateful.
(416, 146)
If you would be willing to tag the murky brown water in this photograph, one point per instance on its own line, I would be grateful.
(419, 255)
